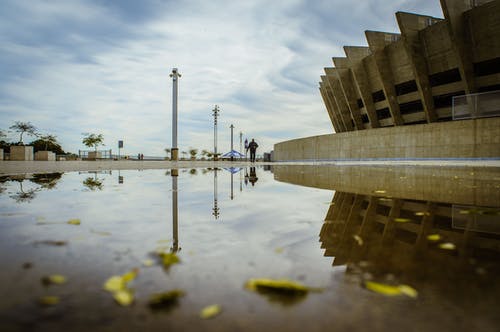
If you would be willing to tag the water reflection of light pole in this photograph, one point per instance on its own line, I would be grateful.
(232, 127)
(232, 194)
(215, 113)
(216, 208)
(175, 151)
(175, 220)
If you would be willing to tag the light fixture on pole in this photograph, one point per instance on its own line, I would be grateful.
(215, 113)
(175, 151)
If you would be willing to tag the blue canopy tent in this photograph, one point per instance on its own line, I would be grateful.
(234, 154)
(233, 170)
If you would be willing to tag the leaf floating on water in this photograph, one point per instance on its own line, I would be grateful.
(129, 276)
(148, 262)
(165, 300)
(124, 297)
(422, 213)
(358, 240)
(55, 279)
(408, 291)
(391, 290)
(277, 285)
(169, 259)
(447, 246)
(402, 220)
(114, 284)
(210, 311)
(74, 222)
(48, 300)
(388, 290)
(433, 237)
(101, 233)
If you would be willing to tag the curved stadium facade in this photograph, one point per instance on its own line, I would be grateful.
(432, 91)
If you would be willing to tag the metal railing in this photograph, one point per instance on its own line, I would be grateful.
(101, 154)
(476, 105)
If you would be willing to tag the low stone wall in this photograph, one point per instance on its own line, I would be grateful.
(45, 156)
(21, 152)
(1, 154)
(478, 138)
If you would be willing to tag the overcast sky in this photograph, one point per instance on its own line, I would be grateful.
(71, 67)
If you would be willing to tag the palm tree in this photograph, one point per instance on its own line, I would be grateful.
(193, 152)
(24, 127)
(93, 140)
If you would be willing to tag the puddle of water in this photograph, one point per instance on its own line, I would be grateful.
(433, 231)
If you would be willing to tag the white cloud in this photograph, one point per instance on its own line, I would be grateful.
(76, 67)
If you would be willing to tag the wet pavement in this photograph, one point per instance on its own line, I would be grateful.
(377, 248)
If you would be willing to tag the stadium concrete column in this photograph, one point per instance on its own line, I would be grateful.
(333, 80)
(355, 55)
(335, 110)
(329, 110)
(349, 90)
(453, 11)
(377, 42)
(410, 25)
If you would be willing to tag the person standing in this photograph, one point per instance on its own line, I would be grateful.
(252, 146)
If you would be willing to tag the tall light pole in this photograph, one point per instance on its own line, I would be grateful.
(241, 137)
(232, 127)
(175, 212)
(215, 208)
(175, 151)
(215, 113)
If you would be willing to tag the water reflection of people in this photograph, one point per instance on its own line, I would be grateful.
(253, 176)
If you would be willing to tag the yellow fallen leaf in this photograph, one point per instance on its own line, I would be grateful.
(129, 276)
(447, 246)
(114, 284)
(210, 311)
(433, 237)
(358, 240)
(402, 220)
(408, 291)
(422, 213)
(277, 285)
(55, 279)
(169, 259)
(49, 300)
(74, 222)
(148, 262)
(379, 191)
(383, 289)
(165, 300)
(124, 297)
(279, 250)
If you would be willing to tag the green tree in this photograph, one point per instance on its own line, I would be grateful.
(47, 145)
(168, 150)
(93, 140)
(24, 127)
(2, 135)
(193, 152)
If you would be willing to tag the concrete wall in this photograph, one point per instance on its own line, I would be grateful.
(45, 156)
(21, 152)
(1, 154)
(478, 138)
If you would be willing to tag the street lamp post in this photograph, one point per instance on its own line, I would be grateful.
(241, 137)
(215, 113)
(175, 151)
(232, 127)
